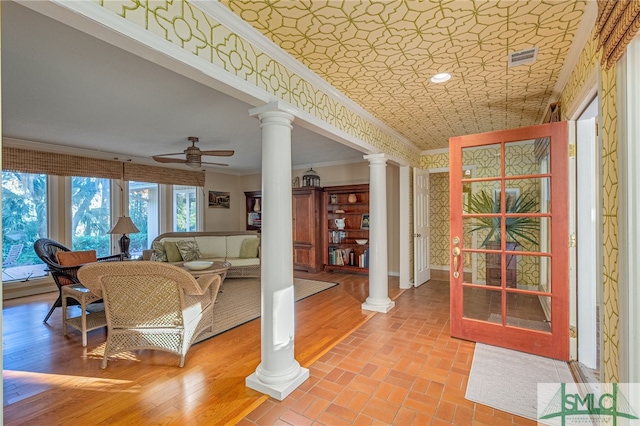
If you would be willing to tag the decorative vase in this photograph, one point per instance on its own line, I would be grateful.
(256, 206)
(352, 198)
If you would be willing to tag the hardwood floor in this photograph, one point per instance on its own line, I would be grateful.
(50, 379)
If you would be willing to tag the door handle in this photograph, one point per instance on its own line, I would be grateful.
(456, 254)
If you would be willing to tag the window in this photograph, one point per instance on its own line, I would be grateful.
(24, 220)
(144, 212)
(91, 214)
(185, 209)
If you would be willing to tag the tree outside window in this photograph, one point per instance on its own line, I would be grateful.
(24, 220)
(144, 212)
(91, 214)
(185, 211)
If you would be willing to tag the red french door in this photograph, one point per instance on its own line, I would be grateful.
(509, 243)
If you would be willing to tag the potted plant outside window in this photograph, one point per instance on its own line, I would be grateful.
(518, 230)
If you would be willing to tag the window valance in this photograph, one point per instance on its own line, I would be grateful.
(618, 22)
(143, 173)
(51, 163)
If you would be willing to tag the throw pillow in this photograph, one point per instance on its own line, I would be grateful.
(249, 248)
(75, 258)
(173, 253)
(159, 252)
(189, 250)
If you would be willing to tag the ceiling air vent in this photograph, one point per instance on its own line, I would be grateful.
(522, 57)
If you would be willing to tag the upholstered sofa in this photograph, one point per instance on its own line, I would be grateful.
(240, 248)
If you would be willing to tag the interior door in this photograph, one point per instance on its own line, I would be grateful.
(421, 245)
(513, 217)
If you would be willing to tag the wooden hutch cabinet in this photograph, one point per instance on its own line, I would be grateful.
(307, 205)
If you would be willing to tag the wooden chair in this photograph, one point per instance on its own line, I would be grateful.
(46, 250)
(151, 305)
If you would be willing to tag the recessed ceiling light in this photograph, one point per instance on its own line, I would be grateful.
(441, 77)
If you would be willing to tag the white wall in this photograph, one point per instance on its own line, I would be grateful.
(231, 219)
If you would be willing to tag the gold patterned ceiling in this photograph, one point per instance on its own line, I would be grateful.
(382, 54)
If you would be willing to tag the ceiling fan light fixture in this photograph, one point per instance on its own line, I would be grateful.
(440, 77)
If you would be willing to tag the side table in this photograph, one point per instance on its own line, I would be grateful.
(85, 322)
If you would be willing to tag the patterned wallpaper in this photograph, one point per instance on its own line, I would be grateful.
(439, 219)
(587, 65)
(381, 54)
(610, 352)
(184, 25)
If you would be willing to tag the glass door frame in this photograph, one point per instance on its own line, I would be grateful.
(553, 344)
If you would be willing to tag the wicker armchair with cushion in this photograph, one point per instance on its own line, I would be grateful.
(65, 272)
(151, 305)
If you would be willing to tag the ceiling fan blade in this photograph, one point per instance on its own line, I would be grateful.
(218, 153)
(213, 164)
(160, 159)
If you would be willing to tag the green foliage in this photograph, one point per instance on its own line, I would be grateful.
(24, 213)
(518, 229)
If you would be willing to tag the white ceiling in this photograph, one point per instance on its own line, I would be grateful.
(75, 93)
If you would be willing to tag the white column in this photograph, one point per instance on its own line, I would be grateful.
(278, 373)
(378, 299)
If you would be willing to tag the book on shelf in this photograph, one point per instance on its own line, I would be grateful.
(345, 257)
(254, 219)
(363, 259)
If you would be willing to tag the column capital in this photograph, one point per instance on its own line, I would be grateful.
(273, 109)
(380, 158)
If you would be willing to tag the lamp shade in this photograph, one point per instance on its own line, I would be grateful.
(124, 225)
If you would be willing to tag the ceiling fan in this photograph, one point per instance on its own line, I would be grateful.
(193, 155)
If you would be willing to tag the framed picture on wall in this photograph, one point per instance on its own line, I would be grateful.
(364, 224)
(512, 195)
(219, 200)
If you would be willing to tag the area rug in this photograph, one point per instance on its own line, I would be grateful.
(508, 380)
(239, 300)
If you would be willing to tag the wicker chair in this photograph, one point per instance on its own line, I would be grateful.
(46, 250)
(151, 305)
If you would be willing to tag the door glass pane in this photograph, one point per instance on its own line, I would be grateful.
(24, 220)
(481, 304)
(531, 195)
(528, 311)
(529, 272)
(526, 157)
(91, 214)
(528, 233)
(144, 212)
(485, 159)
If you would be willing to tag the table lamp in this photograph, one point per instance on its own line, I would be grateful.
(124, 226)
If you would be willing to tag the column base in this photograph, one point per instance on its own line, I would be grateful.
(279, 391)
(384, 308)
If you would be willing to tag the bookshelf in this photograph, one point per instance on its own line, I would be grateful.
(254, 210)
(348, 204)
